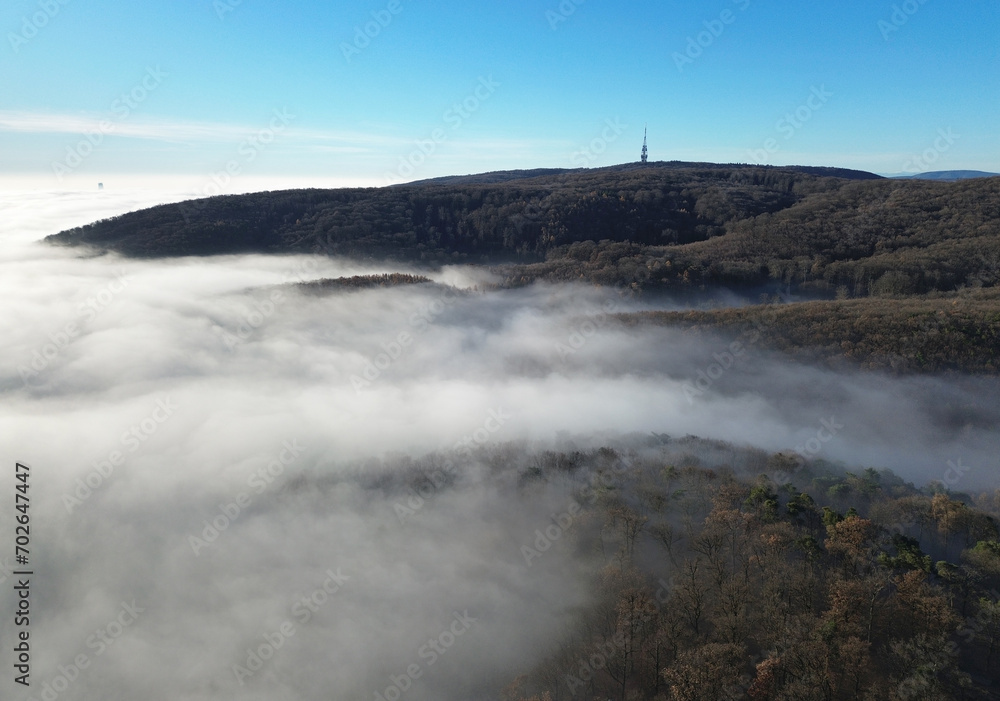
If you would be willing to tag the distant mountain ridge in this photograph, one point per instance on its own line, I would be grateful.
(948, 175)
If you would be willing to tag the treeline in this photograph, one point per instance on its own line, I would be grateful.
(362, 282)
(926, 334)
(882, 238)
(659, 226)
(520, 219)
(808, 582)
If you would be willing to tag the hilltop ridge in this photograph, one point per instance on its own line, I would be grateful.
(662, 226)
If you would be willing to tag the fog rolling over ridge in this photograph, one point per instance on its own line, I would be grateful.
(221, 394)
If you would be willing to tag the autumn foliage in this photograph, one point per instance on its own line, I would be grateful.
(709, 586)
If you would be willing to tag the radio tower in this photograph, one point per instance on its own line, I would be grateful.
(644, 144)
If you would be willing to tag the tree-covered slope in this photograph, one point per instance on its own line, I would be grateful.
(858, 238)
(521, 218)
(930, 333)
(725, 574)
(659, 226)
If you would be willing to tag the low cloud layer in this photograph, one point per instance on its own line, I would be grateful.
(189, 392)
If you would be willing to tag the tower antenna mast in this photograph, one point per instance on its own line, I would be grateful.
(644, 154)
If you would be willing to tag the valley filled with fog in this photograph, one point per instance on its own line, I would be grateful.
(155, 398)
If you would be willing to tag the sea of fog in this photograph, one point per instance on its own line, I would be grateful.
(154, 398)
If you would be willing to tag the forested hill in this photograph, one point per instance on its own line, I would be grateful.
(515, 215)
(654, 226)
(501, 176)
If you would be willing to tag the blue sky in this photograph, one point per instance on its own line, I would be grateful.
(278, 92)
